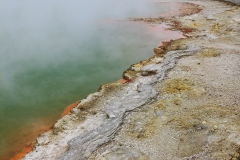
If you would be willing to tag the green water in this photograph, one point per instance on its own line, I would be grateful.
(44, 68)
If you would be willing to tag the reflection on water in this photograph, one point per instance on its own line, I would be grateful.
(48, 61)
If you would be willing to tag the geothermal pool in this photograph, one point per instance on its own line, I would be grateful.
(56, 53)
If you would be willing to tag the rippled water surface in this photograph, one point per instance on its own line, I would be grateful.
(53, 54)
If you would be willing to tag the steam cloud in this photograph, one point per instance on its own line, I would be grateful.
(50, 32)
(44, 41)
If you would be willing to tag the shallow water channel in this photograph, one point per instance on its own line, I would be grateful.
(51, 60)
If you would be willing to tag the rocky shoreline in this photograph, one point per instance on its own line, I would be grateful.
(182, 103)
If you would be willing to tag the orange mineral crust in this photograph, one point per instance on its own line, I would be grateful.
(36, 128)
(24, 151)
(27, 142)
(68, 108)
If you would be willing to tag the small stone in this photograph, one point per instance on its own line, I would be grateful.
(122, 81)
(112, 116)
(225, 121)
(157, 51)
(148, 73)
(204, 122)
(157, 60)
(182, 47)
(237, 19)
(215, 127)
(179, 95)
(228, 131)
(211, 17)
(144, 73)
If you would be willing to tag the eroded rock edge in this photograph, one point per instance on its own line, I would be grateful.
(82, 146)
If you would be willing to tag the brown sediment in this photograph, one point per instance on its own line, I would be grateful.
(176, 25)
(69, 107)
(164, 44)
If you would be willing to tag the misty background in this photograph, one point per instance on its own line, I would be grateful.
(55, 52)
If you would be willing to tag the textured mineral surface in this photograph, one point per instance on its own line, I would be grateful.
(182, 103)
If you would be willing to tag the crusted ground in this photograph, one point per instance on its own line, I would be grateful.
(182, 103)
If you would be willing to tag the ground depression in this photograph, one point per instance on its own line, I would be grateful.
(182, 103)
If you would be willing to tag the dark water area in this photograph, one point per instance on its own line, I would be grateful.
(52, 56)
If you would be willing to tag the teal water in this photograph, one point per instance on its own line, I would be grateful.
(51, 60)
